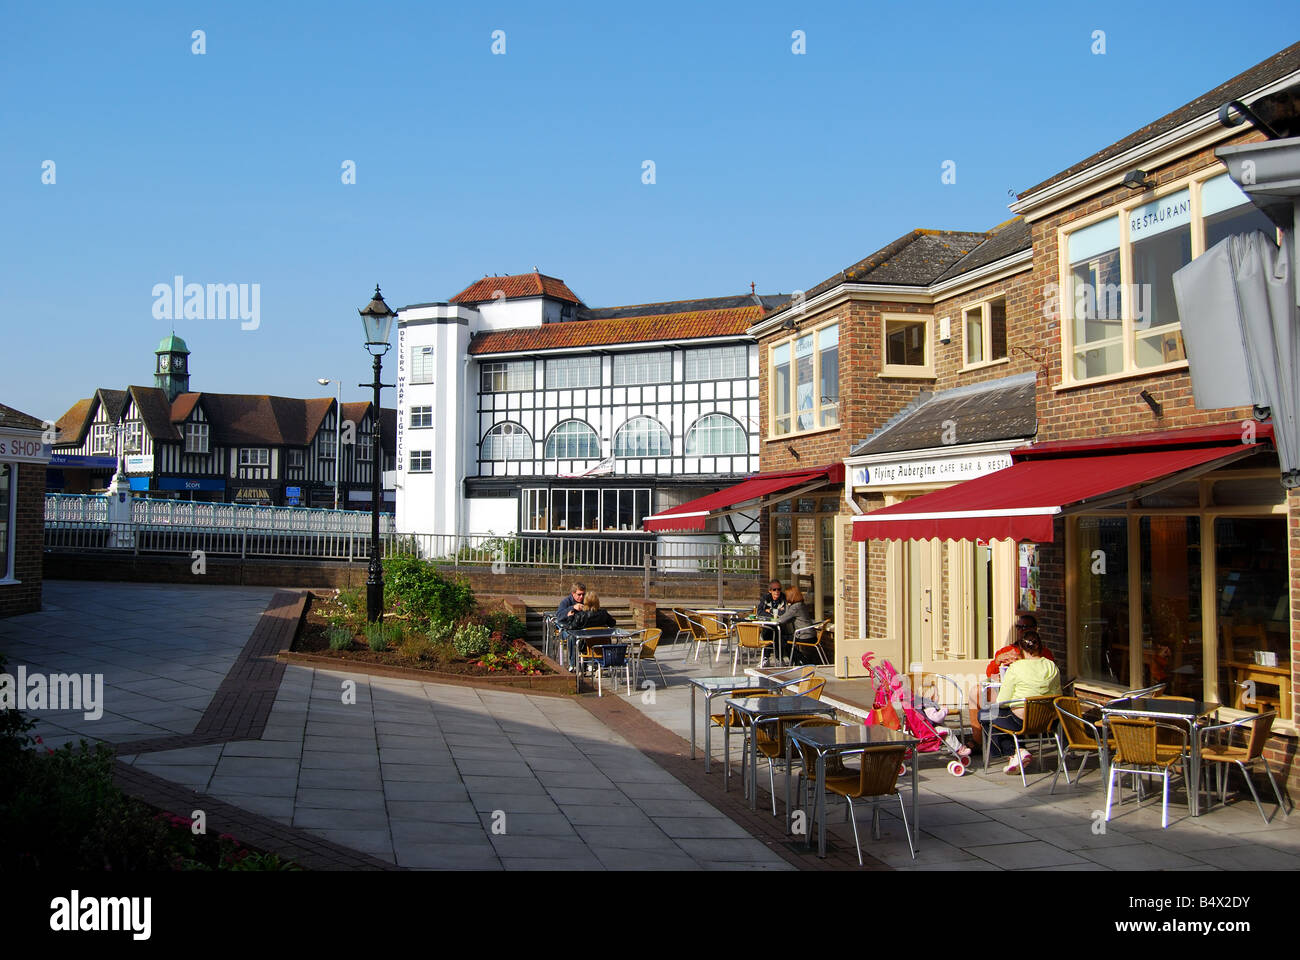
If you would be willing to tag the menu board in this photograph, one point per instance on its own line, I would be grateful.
(1028, 599)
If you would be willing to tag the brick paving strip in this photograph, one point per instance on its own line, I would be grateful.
(672, 753)
(239, 711)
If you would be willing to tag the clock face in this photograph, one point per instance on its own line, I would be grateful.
(178, 363)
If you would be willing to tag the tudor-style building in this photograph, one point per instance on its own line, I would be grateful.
(220, 447)
(520, 409)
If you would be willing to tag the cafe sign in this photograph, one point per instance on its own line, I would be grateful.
(906, 473)
(21, 446)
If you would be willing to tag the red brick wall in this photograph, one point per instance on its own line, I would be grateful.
(29, 537)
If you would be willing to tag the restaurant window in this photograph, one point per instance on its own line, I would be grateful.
(652, 366)
(570, 372)
(506, 441)
(1101, 584)
(642, 437)
(8, 473)
(805, 379)
(716, 435)
(784, 542)
(907, 350)
(622, 510)
(503, 377)
(421, 417)
(535, 502)
(196, 438)
(985, 327)
(421, 461)
(422, 364)
(1254, 642)
(717, 363)
(572, 440)
(575, 510)
(1118, 305)
(1171, 604)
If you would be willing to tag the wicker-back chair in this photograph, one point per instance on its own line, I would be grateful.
(645, 653)
(1037, 723)
(769, 741)
(876, 777)
(1138, 751)
(1221, 757)
(750, 636)
(1077, 735)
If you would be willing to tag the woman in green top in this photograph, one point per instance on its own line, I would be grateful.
(1032, 676)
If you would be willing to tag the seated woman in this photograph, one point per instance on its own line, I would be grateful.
(983, 710)
(587, 614)
(1034, 675)
(796, 616)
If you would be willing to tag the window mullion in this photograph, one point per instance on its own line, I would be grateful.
(1128, 323)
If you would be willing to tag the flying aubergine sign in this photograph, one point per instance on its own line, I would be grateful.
(901, 473)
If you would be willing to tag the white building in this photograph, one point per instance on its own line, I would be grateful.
(521, 410)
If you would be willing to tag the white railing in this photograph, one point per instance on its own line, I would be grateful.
(93, 508)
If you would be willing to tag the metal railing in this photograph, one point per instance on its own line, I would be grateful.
(93, 508)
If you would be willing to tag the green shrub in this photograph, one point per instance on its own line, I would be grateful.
(417, 588)
(508, 625)
(440, 631)
(339, 637)
(380, 635)
(471, 639)
(417, 647)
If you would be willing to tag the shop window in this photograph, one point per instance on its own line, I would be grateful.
(1171, 604)
(8, 473)
(535, 503)
(1254, 641)
(1101, 584)
(907, 347)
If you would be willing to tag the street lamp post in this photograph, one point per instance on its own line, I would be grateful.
(377, 320)
(338, 426)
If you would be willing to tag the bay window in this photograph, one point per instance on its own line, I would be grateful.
(805, 381)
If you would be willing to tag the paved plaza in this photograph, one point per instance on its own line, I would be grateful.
(428, 775)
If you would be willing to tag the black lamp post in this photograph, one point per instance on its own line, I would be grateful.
(378, 321)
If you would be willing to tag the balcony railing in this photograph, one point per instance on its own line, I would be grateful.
(93, 508)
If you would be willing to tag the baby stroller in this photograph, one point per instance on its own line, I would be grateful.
(918, 716)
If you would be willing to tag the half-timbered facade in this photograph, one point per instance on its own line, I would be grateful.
(218, 447)
(556, 418)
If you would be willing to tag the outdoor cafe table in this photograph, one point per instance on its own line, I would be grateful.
(764, 708)
(725, 614)
(712, 686)
(1189, 712)
(588, 637)
(840, 739)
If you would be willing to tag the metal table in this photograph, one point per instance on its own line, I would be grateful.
(828, 740)
(764, 708)
(712, 686)
(1190, 712)
(730, 617)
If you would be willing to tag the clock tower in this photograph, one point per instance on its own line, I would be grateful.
(172, 370)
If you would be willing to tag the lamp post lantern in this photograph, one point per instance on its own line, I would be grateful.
(338, 432)
(377, 320)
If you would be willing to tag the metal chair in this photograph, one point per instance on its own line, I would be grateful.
(769, 741)
(1038, 721)
(645, 653)
(876, 777)
(1133, 694)
(1139, 752)
(1077, 735)
(810, 637)
(807, 760)
(608, 656)
(749, 636)
(706, 630)
(1224, 756)
(549, 634)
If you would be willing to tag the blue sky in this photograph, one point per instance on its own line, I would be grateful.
(770, 167)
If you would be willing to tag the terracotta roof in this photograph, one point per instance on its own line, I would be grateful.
(153, 408)
(1274, 68)
(691, 325)
(183, 406)
(72, 425)
(516, 287)
(17, 420)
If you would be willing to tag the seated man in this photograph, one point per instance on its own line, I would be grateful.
(772, 603)
(564, 617)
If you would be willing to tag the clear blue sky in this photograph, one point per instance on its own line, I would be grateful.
(770, 167)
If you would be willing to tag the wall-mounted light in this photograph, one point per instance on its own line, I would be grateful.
(1151, 402)
(1138, 180)
(945, 329)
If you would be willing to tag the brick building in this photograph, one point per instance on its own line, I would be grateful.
(23, 456)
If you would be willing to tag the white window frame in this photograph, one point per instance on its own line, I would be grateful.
(496, 430)
(642, 456)
(923, 371)
(422, 364)
(985, 310)
(295, 459)
(133, 436)
(365, 451)
(723, 362)
(553, 439)
(506, 376)
(421, 417)
(795, 412)
(647, 368)
(560, 372)
(693, 433)
(326, 448)
(1194, 184)
(194, 432)
(421, 461)
(101, 438)
(246, 457)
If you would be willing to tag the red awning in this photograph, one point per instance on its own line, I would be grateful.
(694, 514)
(1021, 501)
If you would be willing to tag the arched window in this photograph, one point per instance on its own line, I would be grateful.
(573, 440)
(716, 435)
(642, 437)
(506, 441)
